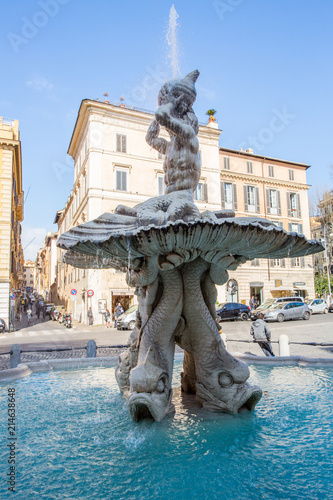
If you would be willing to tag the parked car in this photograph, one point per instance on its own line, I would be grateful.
(317, 306)
(269, 302)
(287, 310)
(48, 309)
(330, 309)
(126, 321)
(261, 309)
(232, 310)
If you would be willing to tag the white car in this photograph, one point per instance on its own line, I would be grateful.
(317, 306)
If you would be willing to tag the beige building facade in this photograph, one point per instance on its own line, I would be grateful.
(276, 190)
(11, 216)
(114, 165)
(29, 274)
(46, 274)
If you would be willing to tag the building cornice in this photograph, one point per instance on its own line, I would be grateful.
(267, 181)
(268, 159)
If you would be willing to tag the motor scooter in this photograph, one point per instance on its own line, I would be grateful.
(68, 320)
(2, 326)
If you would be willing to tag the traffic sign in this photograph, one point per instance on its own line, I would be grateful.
(90, 293)
(73, 298)
(73, 291)
(12, 296)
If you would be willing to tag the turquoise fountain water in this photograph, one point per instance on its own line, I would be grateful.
(75, 441)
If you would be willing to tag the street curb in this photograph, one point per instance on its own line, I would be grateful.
(283, 360)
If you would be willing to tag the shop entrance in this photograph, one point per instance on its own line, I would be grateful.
(125, 300)
(257, 291)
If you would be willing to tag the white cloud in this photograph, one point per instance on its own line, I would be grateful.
(39, 83)
(32, 240)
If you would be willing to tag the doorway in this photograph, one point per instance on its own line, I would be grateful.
(125, 300)
(257, 291)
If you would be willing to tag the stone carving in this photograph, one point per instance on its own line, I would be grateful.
(174, 256)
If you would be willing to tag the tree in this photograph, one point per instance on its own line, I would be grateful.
(321, 284)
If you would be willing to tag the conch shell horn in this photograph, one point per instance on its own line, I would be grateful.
(190, 79)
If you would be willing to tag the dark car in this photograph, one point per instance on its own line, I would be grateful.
(232, 310)
(330, 309)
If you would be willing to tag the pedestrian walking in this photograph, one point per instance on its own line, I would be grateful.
(262, 335)
(107, 317)
(90, 317)
(252, 303)
(29, 314)
(117, 312)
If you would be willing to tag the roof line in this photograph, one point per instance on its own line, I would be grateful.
(254, 155)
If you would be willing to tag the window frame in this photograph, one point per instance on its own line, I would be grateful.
(122, 171)
(121, 138)
(226, 162)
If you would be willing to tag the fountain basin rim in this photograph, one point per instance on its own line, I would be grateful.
(26, 369)
(68, 239)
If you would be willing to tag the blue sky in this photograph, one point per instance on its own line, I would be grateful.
(258, 60)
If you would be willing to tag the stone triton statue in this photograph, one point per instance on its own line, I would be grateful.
(174, 256)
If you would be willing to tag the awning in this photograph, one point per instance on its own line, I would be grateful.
(282, 289)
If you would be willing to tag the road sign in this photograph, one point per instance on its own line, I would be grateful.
(90, 293)
(12, 296)
(73, 298)
(73, 291)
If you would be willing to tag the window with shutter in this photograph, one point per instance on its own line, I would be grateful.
(249, 167)
(291, 175)
(226, 163)
(246, 200)
(121, 180)
(121, 143)
(293, 203)
(222, 196)
(270, 171)
(257, 200)
(228, 195)
(278, 199)
(200, 157)
(205, 192)
(268, 201)
(272, 201)
(298, 202)
(255, 262)
(200, 192)
(160, 186)
(289, 205)
(278, 223)
(234, 199)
